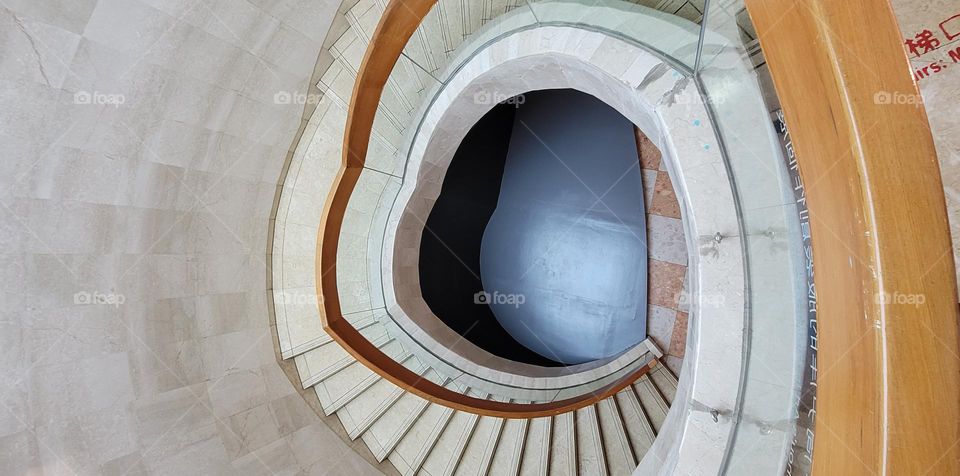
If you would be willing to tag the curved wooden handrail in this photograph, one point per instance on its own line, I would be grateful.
(399, 21)
(888, 399)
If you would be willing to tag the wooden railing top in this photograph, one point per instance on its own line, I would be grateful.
(888, 399)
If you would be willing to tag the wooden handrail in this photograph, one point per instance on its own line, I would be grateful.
(399, 21)
(888, 399)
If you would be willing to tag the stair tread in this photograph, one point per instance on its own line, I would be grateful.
(637, 425)
(421, 439)
(563, 446)
(665, 381)
(447, 453)
(317, 365)
(509, 451)
(384, 435)
(479, 452)
(370, 405)
(653, 403)
(536, 451)
(591, 458)
(349, 383)
(616, 443)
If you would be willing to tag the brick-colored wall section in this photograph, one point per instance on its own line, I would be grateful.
(667, 254)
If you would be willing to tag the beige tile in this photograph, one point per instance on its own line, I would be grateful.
(660, 324)
(678, 342)
(273, 459)
(665, 283)
(19, 453)
(649, 186)
(248, 431)
(161, 367)
(291, 413)
(666, 240)
(674, 363)
(650, 156)
(665, 198)
(127, 465)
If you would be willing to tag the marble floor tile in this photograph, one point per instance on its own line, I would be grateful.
(664, 198)
(666, 282)
(660, 325)
(667, 251)
(649, 154)
(649, 186)
(675, 364)
(678, 343)
(665, 238)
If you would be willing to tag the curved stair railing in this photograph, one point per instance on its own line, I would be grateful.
(886, 372)
(887, 365)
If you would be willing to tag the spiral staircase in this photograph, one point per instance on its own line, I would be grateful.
(417, 436)
(423, 431)
(149, 152)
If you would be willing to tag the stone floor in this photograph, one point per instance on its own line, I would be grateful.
(667, 253)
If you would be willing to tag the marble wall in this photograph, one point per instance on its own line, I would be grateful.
(938, 79)
(142, 145)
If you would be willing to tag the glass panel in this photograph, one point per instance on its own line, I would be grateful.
(729, 78)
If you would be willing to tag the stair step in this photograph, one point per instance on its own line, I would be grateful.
(320, 366)
(337, 82)
(411, 407)
(422, 438)
(387, 432)
(563, 446)
(449, 450)
(635, 420)
(363, 323)
(619, 452)
(536, 451)
(369, 406)
(350, 382)
(481, 448)
(665, 381)
(653, 403)
(407, 81)
(591, 456)
(331, 404)
(509, 452)
(364, 18)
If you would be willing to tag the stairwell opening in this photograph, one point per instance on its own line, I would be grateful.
(536, 249)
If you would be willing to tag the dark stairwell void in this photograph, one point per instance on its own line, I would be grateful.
(450, 248)
(542, 214)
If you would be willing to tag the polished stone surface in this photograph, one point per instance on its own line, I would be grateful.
(143, 144)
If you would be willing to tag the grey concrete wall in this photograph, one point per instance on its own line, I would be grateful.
(568, 237)
(142, 146)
